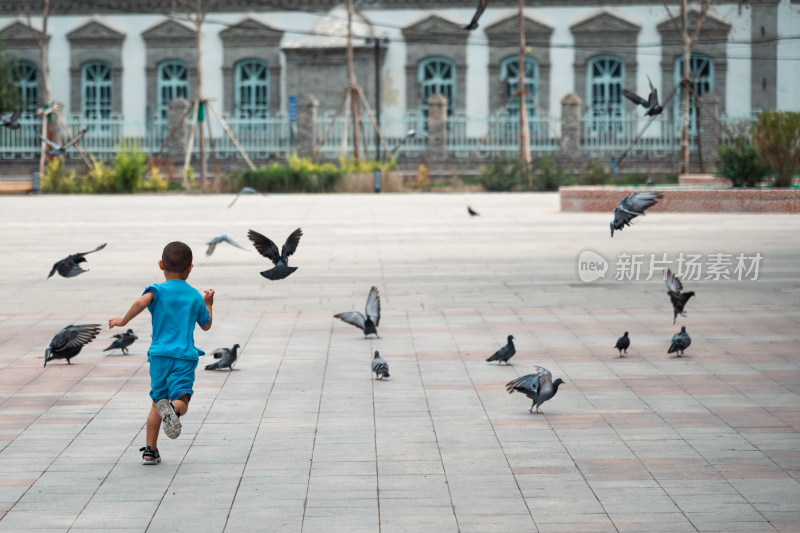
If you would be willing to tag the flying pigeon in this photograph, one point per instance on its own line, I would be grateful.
(539, 387)
(69, 267)
(368, 322)
(268, 249)
(60, 149)
(473, 24)
(505, 353)
(651, 104)
(245, 190)
(680, 341)
(678, 298)
(623, 343)
(11, 120)
(123, 341)
(632, 206)
(472, 212)
(226, 358)
(68, 342)
(380, 366)
(212, 244)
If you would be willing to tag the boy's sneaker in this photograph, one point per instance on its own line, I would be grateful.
(150, 457)
(170, 421)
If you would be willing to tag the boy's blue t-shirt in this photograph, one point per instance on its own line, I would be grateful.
(175, 308)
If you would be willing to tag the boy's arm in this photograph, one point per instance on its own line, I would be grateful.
(137, 307)
(208, 299)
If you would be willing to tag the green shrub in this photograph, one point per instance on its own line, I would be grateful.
(548, 175)
(129, 167)
(740, 163)
(501, 175)
(595, 173)
(776, 135)
(101, 178)
(297, 175)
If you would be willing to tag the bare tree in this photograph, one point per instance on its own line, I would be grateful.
(45, 78)
(524, 135)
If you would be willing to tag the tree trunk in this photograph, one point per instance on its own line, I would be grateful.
(687, 64)
(524, 135)
(45, 84)
(201, 102)
(354, 101)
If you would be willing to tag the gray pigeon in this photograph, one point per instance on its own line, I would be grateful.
(69, 267)
(676, 296)
(651, 104)
(539, 387)
(631, 207)
(472, 212)
(59, 149)
(245, 190)
(226, 358)
(680, 341)
(473, 24)
(68, 342)
(623, 343)
(212, 244)
(380, 366)
(123, 341)
(268, 249)
(11, 120)
(505, 353)
(369, 321)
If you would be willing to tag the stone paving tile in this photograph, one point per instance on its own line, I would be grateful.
(301, 438)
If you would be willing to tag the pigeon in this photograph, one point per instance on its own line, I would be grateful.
(68, 342)
(212, 244)
(473, 24)
(680, 341)
(226, 358)
(123, 341)
(69, 267)
(505, 353)
(678, 298)
(368, 322)
(623, 343)
(380, 366)
(472, 212)
(631, 207)
(60, 149)
(539, 387)
(268, 249)
(245, 190)
(11, 120)
(651, 104)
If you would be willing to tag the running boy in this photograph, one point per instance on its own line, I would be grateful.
(175, 307)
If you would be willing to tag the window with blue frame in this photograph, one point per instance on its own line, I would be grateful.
(606, 76)
(701, 73)
(251, 89)
(96, 90)
(437, 75)
(509, 74)
(172, 82)
(24, 76)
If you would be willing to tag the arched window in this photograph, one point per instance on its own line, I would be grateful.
(24, 77)
(606, 75)
(172, 82)
(96, 90)
(437, 75)
(251, 88)
(509, 73)
(701, 72)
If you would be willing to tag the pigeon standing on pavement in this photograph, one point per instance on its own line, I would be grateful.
(58, 149)
(505, 353)
(68, 342)
(369, 321)
(11, 120)
(268, 249)
(623, 343)
(212, 244)
(651, 104)
(473, 24)
(472, 212)
(380, 366)
(631, 207)
(680, 341)
(123, 341)
(539, 387)
(226, 358)
(69, 267)
(676, 296)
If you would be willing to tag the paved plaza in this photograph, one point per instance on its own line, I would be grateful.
(302, 438)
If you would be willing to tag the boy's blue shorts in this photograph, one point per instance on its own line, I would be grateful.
(171, 377)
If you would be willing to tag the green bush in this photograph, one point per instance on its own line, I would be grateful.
(501, 175)
(595, 173)
(740, 163)
(129, 167)
(776, 135)
(548, 175)
(297, 175)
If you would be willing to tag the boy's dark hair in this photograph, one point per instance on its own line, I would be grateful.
(176, 257)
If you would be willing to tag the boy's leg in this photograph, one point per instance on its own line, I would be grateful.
(181, 405)
(153, 427)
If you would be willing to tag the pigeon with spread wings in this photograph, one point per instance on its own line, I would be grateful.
(11, 120)
(269, 249)
(69, 267)
(539, 387)
(226, 356)
(68, 342)
(123, 341)
(631, 207)
(368, 322)
(58, 149)
(676, 295)
(212, 244)
(651, 104)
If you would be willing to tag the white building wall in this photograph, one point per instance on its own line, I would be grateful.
(788, 57)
